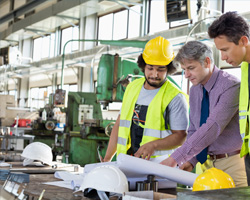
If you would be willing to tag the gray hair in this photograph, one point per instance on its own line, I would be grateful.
(194, 50)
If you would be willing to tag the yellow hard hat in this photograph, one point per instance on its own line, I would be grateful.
(213, 179)
(158, 51)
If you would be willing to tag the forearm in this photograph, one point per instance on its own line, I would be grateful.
(112, 146)
(172, 141)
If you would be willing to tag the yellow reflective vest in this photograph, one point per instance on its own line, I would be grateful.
(154, 128)
(244, 109)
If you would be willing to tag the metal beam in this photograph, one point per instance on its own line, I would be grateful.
(21, 11)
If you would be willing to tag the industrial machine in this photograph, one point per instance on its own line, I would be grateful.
(86, 132)
(46, 128)
(114, 75)
(85, 135)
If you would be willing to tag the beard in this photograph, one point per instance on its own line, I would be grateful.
(156, 85)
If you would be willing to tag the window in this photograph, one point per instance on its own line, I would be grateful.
(12, 92)
(37, 49)
(69, 34)
(239, 6)
(134, 22)
(234, 71)
(73, 88)
(39, 97)
(70, 88)
(41, 45)
(182, 82)
(157, 17)
(120, 25)
(105, 29)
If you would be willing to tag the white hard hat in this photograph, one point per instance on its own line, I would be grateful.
(106, 178)
(37, 151)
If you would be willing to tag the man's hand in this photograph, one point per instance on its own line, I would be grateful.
(145, 151)
(187, 167)
(169, 162)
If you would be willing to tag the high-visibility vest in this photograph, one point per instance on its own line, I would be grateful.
(154, 127)
(244, 109)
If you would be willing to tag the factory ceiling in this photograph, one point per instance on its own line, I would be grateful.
(25, 22)
(40, 17)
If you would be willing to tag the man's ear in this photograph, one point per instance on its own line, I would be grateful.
(244, 40)
(207, 62)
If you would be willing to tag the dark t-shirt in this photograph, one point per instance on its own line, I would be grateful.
(139, 116)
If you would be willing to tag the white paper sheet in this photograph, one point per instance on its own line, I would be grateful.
(64, 175)
(133, 167)
(70, 181)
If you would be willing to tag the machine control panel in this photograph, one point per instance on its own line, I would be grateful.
(85, 112)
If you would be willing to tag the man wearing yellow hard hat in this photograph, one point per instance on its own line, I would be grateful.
(154, 114)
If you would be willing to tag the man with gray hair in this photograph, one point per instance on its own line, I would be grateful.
(213, 135)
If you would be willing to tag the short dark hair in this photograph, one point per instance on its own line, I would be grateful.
(141, 63)
(230, 24)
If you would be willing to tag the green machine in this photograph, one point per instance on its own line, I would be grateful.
(114, 73)
(87, 134)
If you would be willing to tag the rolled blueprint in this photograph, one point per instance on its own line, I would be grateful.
(133, 166)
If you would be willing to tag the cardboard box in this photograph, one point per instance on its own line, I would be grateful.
(6, 101)
(7, 122)
(145, 195)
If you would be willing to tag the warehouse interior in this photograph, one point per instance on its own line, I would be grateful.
(64, 67)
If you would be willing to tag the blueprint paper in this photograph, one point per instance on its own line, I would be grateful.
(70, 181)
(64, 175)
(133, 167)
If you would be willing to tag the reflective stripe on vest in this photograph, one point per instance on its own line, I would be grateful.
(125, 123)
(122, 141)
(243, 109)
(154, 127)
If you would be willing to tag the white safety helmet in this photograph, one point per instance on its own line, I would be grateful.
(37, 151)
(105, 178)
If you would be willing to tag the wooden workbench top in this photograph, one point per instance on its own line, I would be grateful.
(41, 174)
(36, 186)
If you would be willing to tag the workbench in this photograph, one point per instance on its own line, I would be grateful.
(39, 175)
(35, 187)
